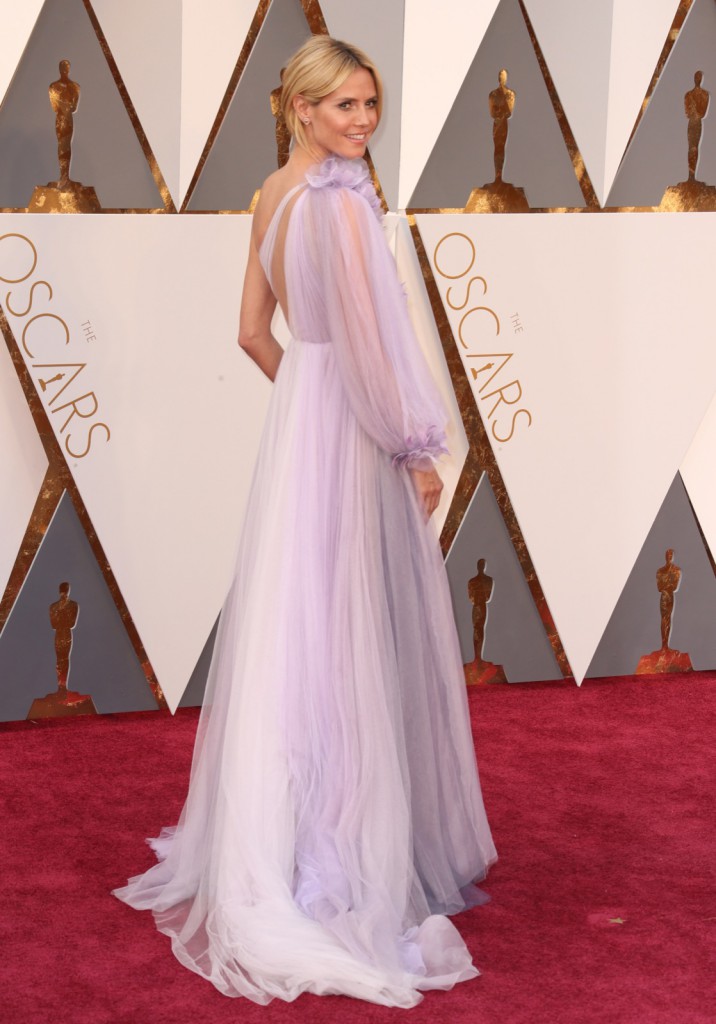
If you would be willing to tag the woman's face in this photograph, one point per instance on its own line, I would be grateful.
(344, 121)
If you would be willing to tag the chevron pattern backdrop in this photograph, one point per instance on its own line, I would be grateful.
(562, 304)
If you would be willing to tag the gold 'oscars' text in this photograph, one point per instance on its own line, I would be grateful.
(56, 359)
(498, 393)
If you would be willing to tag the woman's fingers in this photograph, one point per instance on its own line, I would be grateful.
(428, 486)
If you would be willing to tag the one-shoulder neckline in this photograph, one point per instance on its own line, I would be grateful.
(333, 170)
(280, 207)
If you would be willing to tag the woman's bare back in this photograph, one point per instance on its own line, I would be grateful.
(273, 192)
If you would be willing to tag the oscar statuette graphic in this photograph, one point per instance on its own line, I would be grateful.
(499, 196)
(283, 135)
(64, 195)
(666, 659)
(479, 590)
(692, 194)
(63, 702)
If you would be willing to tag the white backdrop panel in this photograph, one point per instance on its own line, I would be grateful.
(156, 407)
(421, 315)
(441, 41)
(568, 339)
(22, 461)
(17, 21)
(697, 472)
(145, 41)
(213, 33)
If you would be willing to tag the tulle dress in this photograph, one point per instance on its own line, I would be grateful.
(334, 814)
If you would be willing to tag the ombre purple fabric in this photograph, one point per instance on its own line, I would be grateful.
(334, 815)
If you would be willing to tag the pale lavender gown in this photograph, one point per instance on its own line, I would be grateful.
(334, 815)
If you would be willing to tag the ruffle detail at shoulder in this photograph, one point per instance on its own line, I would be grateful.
(336, 172)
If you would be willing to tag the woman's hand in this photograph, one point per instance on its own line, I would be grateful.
(428, 486)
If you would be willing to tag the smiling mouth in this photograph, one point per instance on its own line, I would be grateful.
(357, 138)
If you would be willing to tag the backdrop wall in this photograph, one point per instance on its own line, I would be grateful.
(556, 246)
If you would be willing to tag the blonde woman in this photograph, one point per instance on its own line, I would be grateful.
(334, 815)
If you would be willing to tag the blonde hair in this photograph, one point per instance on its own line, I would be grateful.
(319, 67)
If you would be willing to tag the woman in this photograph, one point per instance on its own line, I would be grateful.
(334, 814)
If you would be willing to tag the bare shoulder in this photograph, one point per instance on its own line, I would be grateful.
(273, 190)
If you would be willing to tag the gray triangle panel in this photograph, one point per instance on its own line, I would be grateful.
(514, 635)
(634, 629)
(106, 153)
(193, 696)
(658, 154)
(244, 151)
(536, 156)
(103, 663)
(377, 27)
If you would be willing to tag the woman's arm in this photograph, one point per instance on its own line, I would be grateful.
(384, 373)
(258, 304)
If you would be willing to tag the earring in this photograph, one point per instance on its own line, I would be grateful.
(306, 120)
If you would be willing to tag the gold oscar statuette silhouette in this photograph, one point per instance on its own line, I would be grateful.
(499, 196)
(666, 659)
(692, 194)
(63, 702)
(479, 590)
(64, 195)
(283, 135)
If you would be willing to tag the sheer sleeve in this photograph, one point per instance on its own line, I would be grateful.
(382, 367)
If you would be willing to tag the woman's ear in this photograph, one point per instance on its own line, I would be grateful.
(302, 107)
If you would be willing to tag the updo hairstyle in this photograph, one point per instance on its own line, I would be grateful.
(319, 67)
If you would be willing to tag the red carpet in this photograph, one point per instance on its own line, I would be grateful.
(602, 804)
